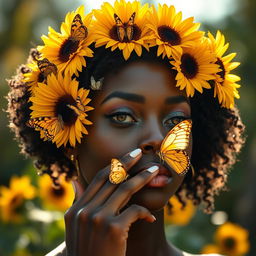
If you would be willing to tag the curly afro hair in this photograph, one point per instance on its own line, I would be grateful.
(217, 132)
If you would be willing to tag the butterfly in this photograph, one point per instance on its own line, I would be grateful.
(118, 173)
(96, 85)
(50, 126)
(172, 149)
(124, 30)
(46, 68)
(78, 31)
(80, 108)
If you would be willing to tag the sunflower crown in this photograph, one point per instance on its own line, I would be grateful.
(58, 105)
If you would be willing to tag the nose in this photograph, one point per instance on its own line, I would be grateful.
(152, 137)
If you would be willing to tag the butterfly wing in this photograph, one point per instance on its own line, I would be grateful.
(46, 67)
(173, 146)
(177, 137)
(42, 124)
(49, 125)
(129, 28)
(78, 31)
(178, 160)
(120, 28)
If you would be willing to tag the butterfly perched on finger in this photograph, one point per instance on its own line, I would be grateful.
(172, 149)
(125, 30)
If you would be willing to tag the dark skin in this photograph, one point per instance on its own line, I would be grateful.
(136, 109)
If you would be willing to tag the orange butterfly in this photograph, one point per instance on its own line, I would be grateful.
(49, 125)
(172, 149)
(124, 30)
(78, 31)
(46, 68)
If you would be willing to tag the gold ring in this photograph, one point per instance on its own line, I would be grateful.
(118, 173)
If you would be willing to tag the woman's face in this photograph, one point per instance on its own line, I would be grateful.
(135, 109)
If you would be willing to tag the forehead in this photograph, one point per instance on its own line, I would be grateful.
(147, 79)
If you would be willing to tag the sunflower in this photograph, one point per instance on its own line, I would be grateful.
(195, 66)
(12, 198)
(225, 83)
(179, 215)
(33, 77)
(170, 32)
(232, 239)
(57, 198)
(122, 26)
(59, 110)
(68, 48)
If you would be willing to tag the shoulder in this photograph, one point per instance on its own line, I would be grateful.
(58, 251)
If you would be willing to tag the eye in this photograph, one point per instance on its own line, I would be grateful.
(121, 118)
(174, 118)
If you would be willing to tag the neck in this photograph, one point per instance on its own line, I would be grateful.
(148, 239)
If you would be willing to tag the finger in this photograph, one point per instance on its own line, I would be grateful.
(78, 188)
(101, 178)
(132, 214)
(124, 192)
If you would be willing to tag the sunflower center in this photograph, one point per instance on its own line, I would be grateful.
(58, 192)
(67, 114)
(126, 35)
(229, 242)
(68, 47)
(223, 71)
(169, 35)
(16, 201)
(189, 66)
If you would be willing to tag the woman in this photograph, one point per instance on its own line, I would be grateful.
(137, 96)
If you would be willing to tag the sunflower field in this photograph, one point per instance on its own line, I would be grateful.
(31, 209)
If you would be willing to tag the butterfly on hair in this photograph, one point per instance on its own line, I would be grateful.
(96, 85)
(172, 149)
(125, 31)
(50, 126)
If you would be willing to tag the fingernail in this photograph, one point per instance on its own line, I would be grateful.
(135, 152)
(153, 217)
(153, 168)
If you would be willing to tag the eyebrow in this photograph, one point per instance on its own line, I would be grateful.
(125, 96)
(176, 99)
(140, 99)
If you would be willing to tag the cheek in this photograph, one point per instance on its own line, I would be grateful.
(101, 145)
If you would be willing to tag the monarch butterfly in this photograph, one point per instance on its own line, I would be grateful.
(124, 30)
(46, 68)
(78, 30)
(172, 149)
(49, 125)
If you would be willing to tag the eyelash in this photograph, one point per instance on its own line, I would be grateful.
(180, 119)
(111, 118)
(126, 124)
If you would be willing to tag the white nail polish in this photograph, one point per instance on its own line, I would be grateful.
(153, 168)
(135, 152)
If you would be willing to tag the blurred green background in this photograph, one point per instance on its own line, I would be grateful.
(22, 22)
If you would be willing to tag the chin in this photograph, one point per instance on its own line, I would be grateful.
(152, 199)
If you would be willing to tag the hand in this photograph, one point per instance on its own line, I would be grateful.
(94, 226)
